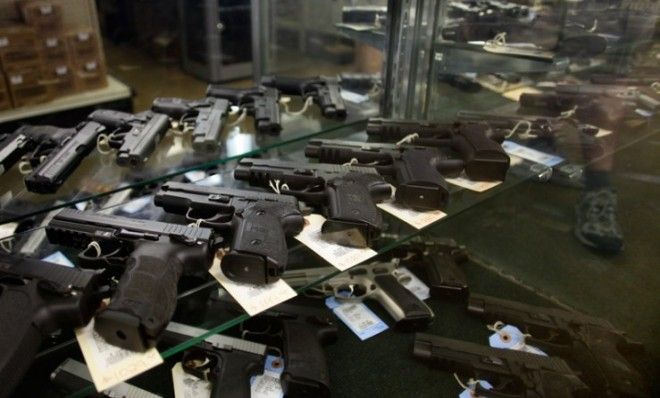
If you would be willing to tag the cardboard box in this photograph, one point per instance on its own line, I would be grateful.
(44, 16)
(54, 50)
(18, 47)
(90, 74)
(83, 45)
(5, 99)
(61, 80)
(27, 87)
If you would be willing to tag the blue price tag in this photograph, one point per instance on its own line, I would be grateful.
(59, 258)
(467, 393)
(358, 317)
(511, 338)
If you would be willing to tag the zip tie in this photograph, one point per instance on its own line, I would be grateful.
(593, 28)
(24, 167)
(234, 110)
(103, 144)
(308, 102)
(569, 113)
(240, 119)
(656, 87)
(470, 386)
(407, 139)
(196, 224)
(351, 162)
(7, 245)
(95, 245)
(275, 186)
(497, 41)
(524, 134)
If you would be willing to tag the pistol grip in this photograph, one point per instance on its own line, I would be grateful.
(443, 275)
(145, 299)
(419, 184)
(352, 217)
(409, 312)
(230, 371)
(20, 339)
(485, 160)
(258, 250)
(266, 113)
(305, 370)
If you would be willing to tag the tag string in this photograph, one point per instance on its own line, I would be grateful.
(240, 119)
(103, 144)
(285, 102)
(97, 248)
(407, 139)
(656, 87)
(594, 27)
(277, 187)
(7, 245)
(24, 167)
(569, 113)
(524, 134)
(497, 41)
(197, 223)
(470, 386)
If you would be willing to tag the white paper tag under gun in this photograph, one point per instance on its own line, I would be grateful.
(187, 385)
(476, 186)
(471, 387)
(511, 338)
(524, 152)
(341, 257)
(253, 298)
(418, 219)
(268, 384)
(358, 317)
(411, 282)
(110, 365)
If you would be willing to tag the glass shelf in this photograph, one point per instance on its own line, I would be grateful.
(98, 175)
(395, 233)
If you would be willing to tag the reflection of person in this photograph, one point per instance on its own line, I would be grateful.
(596, 212)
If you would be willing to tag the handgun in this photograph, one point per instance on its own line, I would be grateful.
(439, 261)
(72, 376)
(345, 194)
(477, 144)
(300, 332)
(262, 103)
(414, 170)
(324, 90)
(26, 139)
(227, 362)
(38, 298)
(52, 167)
(513, 373)
(605, 356)
(133, 136)
(204, 117)
(153, 256)
(379, 281)
(257, 223)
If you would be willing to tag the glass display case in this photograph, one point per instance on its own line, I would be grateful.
(554, 254)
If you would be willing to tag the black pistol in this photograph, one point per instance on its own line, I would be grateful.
(262, 103)
(204, 117)
(153, 255)
(325, 92)
(345, 194)
(257, 223)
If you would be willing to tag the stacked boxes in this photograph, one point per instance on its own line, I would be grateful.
(41, 59)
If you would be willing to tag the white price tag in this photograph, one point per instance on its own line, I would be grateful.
(476, 186)
(194, 175)
(268, 384)
(110, 365)
(418, 219)
(16, 79)
(533, 155)
(81, 206)
(353, 97)
(511, 338)
(514, 95)
(187, 385)
(253, 298)
(358, 317)
(136, 204)
(603, 133)
(7, 230)
(411, 282)
(341, 257)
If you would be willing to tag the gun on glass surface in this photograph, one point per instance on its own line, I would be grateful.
(346, 195)
(262, 103)
(227, 362)
(38, 298)
(205, 118)
(323, 90)
(414, 170)
(605, 356)
(257, 223)
(477, 144)
(379, 281)
(26, 139)
(134, 137)
(153, 256)
(51, 167)
(512, 373)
